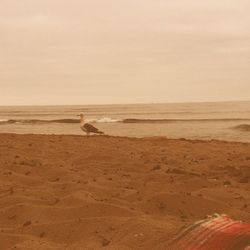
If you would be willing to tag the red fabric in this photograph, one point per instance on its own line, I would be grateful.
(218, 232)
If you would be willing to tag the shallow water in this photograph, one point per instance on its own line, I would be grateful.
(187, 120)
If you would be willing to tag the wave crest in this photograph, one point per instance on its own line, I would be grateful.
(69, 121)
(104, 120)
(243, 127)
(37, 121)
(130, 120)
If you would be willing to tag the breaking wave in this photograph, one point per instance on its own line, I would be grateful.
(37, 121)
(243, 127)
(105, 120)
(65, 121)
(180, 120)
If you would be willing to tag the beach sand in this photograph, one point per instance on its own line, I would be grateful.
(101, 192)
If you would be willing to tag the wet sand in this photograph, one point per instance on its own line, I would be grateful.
(74, 192)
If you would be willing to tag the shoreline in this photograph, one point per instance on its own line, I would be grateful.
(69, 191)
(130, 137)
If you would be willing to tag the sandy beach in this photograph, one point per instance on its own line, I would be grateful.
(101, 192)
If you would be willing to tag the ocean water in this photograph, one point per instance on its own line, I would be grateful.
(224, 121)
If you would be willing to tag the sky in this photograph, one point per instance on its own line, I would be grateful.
(123, 51)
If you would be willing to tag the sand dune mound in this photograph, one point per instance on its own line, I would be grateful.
(182, 206)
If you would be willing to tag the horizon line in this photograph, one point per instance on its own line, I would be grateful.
(109, 104)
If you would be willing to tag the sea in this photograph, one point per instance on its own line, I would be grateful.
(228, 121)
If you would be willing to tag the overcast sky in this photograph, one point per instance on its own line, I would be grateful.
(123, 51)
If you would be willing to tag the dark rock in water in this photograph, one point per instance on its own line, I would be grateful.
(243, 127)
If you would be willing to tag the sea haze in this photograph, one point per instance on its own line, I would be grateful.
(224, 121)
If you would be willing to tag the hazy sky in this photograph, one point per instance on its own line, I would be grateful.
(123, 51)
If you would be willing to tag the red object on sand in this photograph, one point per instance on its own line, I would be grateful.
(218, 232)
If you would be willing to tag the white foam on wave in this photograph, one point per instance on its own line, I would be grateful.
(104, 120)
